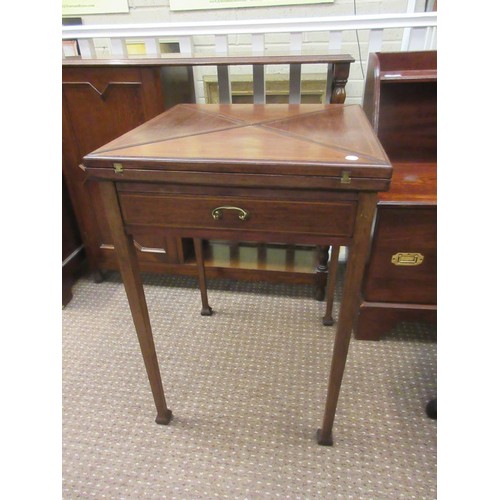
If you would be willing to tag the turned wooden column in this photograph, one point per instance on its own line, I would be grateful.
(340, 77)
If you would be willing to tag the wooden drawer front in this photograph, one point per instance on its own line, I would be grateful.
(277, 216)
(403, 236)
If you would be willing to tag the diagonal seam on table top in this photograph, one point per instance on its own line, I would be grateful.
(266, 125)
(335, 147)
(241, 123)
(268, 131)
(237, 124)
(270, 120)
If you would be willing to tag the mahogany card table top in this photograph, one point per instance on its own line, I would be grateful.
(304, 173)
(308, 140)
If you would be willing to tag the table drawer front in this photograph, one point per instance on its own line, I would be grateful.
(239, 214)
(402, 266)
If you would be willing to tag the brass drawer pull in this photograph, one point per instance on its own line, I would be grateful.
(217, 212)
(407, 259)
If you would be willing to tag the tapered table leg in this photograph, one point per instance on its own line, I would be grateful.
(206, 310)
(330, 292)
(129, 268)
(358, 253)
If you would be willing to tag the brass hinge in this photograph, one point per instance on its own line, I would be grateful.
(346, 178)
(118, 168)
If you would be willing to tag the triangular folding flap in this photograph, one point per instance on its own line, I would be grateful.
(327, 129)
(259, 113)
(181, 121)
(242, 144)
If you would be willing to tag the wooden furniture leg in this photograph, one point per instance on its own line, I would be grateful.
(321, 270)
(129, 268)
(97, 276)
(330, 292)
(206, 310)
(358, 254)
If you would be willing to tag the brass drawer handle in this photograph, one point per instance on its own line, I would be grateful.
(217, 212)
(407, 259)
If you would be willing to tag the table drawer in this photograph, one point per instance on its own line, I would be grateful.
(403, 259)
(334, 218)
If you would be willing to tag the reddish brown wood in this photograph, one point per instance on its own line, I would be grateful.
(264, 215)
(100, 104)
(190, 212)
(206, 310)
(117, 95)
(75, 182)
(281, 139)
(129, 269)
(408, 229)
(340, 77)
(400, 101)
(332, 274)
(223, 183)
(322, 271)
(150, 172)
(358, 253)
(414, 183)
(376, 319)
(212, 60)
(73, 256)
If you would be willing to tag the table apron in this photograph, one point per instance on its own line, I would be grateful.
(238, 236)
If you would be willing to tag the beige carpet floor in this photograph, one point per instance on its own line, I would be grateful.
(247, 389)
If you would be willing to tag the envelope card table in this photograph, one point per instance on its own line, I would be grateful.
(300, 173)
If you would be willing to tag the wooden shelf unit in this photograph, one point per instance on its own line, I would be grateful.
(400, 282)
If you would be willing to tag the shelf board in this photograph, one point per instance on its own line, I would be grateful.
(401, 76)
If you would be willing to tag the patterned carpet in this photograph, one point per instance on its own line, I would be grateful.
(247, 388)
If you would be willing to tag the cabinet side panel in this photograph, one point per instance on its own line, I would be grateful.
(100, 104)
(403, 231)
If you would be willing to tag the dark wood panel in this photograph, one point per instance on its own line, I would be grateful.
(107, 115)
(417, 61)
(400, 101)
(412, 183)
(100, 104)
(71, 235)
(73, 256)
(407, 127)
(403, 230)
(210, 60)
(259, 215)
(377, 319)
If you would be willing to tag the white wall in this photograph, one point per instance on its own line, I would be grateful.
(144, 11)
(157, 11)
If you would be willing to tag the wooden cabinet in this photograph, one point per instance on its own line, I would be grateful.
(400, 277)
(407, 276)
(101, 103)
